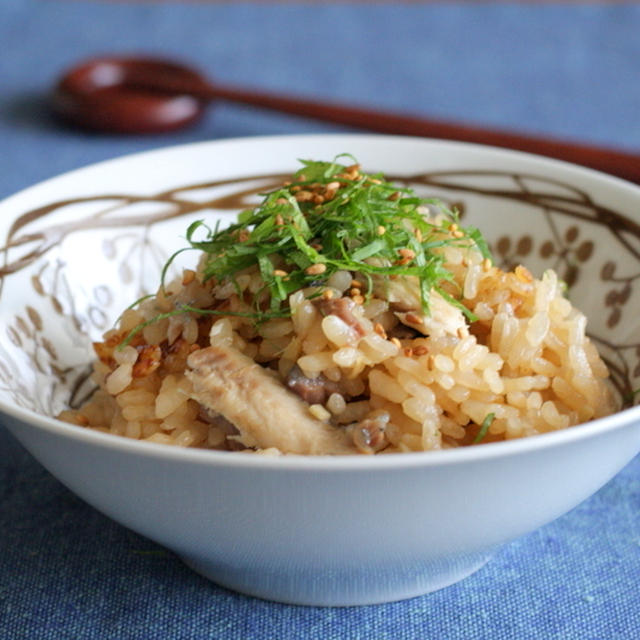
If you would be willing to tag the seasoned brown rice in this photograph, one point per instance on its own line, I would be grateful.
(527, 361)
(524, 367)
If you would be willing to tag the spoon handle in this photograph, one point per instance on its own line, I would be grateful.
(622, 164)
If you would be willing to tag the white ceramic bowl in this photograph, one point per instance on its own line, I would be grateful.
(341, 531)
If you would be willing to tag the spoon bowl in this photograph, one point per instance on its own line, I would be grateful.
(125, 95)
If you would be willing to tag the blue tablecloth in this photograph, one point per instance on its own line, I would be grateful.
(570, 70)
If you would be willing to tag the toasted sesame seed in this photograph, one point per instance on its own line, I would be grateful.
(188, 276)
(396, 342)
(458, 234)
(413, 318)
(379, 329)
(279, 220)
(453, 228)
(316, 269)
(356, 283)
(355, 291)
(304, 196)
(486, 264)
(408, 352)
(394, 196)
(327, 294)
(358, 299)
(420, 350)
(333, 186)
(280, 273)
(318, 199)
(407, 253)
(282, 201)
(380, 230)
(243, 236)
(418, 234)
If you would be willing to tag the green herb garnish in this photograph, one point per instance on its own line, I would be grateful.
(332, 217)
(484, 428)
(329, 218)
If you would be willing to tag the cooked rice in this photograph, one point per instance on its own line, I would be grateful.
(526, 360)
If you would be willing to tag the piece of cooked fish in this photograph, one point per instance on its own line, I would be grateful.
(262, 409)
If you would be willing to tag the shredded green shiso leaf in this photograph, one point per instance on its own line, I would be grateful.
(484, 428)
(362, 224)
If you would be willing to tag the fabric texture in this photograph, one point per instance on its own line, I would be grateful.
(572, 71)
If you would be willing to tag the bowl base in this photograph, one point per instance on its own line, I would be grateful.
(355, 586)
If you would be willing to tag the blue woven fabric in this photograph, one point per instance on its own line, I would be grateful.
(570, 70)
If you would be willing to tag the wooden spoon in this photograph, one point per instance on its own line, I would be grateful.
(148, 95)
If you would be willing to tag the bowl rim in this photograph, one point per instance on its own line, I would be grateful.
(209, 457)
(365, 138)
(356, 462)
